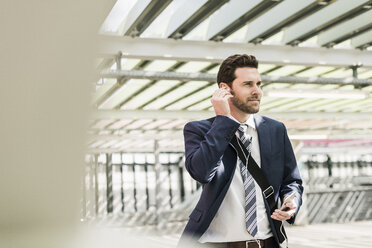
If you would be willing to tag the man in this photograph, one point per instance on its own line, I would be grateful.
(232, 210)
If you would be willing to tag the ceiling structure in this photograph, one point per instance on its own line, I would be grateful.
(158, 62)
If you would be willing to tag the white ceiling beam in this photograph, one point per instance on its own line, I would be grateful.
(362, 39)
(274, 17)
(187, 50)
(137, 74)
(196, 115)
(228, 14)
(320, 18)
(187, 9)
(346, 28)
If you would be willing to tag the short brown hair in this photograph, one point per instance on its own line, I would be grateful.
(226, 73)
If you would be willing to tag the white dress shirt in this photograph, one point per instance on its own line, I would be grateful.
(228, 225)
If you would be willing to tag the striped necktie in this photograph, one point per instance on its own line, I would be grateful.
(249, 186)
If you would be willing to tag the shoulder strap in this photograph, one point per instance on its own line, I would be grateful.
(261, 179)
(256, 171)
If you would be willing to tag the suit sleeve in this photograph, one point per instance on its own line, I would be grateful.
(204, 150)
(292, 181)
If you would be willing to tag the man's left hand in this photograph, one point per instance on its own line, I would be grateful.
(285, 215)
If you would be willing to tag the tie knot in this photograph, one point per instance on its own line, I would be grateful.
(243, 128)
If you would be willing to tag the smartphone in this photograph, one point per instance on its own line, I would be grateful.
(288, 199)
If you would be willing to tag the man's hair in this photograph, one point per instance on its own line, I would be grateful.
(226, 73)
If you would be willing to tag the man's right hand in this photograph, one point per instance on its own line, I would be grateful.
(220, 101)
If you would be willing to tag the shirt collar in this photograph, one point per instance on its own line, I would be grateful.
(249, 122)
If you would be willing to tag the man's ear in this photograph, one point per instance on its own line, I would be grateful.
(224, 85)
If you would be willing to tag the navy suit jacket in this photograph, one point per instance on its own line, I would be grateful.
(207, 143)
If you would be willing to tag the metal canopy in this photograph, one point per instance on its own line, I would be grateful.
(200, 15)
(341, 32)
(225, 21)
(322, 19)
(142, 14)
(275, 19)
(315, 60)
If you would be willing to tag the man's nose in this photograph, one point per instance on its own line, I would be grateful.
(256, 90)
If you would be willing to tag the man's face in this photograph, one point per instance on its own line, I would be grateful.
(246, 90)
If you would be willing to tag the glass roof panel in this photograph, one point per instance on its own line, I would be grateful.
(276, 86)
(117, 15)
(159, 26)
(193, 66)
(365, 75)
(150, 93)
(311, 42)
(274, 104)
(160, 65)
(102, 123)
(193, 98)
(123, 93)
(347, 87)
(328, 86)
(368, 88)
(344, 45)
(274, 39)
(155, 124)
(305, 86)
(316, 102)
(214, 70)
(331, 106)
(291, 105)
(96, 143)
(119, 124)
(286, 70)
(359, 105)
(199, 32)
(237, 36)
(138, 124)
(202, 105)
(174, 123)
(108, 144)
(265, 67)
(175, 94)
(315, 71)
(340, 73)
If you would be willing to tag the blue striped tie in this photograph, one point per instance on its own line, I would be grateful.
(249, 186)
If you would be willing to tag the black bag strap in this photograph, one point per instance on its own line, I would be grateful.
(255, 171)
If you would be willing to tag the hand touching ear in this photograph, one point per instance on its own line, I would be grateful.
(220, 100)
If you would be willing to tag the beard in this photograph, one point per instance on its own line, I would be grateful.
(245, 106)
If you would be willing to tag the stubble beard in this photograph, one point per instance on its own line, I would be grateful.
(244, 106)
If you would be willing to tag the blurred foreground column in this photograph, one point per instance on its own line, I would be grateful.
(46, 77)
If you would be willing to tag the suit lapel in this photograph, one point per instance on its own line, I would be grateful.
(263, 132)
